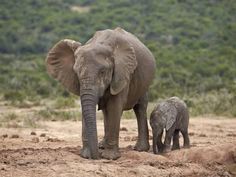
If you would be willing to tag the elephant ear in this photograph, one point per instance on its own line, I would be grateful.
(169, 113)
(60, 61)
(124, 65)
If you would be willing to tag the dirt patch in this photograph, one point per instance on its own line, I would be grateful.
(80, 9)
(57, 152)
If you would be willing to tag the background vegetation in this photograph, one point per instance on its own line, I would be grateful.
(193, 42)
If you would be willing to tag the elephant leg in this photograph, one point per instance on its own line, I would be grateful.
(186, 138)
(176, 140)
(112, 112)
(140, 110)
(84, 152)
(101, 144)
(168, 138)
(160, 145)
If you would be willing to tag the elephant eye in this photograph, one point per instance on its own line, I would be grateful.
(102, 71)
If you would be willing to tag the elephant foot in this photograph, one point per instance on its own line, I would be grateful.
(175, 147)
(85, 153)
(142, 146)
(161, 148)
(111, 154)
(166, 149)
(101, 144)
(186, 146)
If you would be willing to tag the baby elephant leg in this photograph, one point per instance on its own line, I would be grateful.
(169, 134)
(186, 138)
(176, 140)
(160, 145)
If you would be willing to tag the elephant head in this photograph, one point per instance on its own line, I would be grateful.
(104, 63)
(162, 117)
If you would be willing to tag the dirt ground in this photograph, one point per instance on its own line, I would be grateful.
(53, 150)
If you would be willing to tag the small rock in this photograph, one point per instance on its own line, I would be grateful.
(35, 139)
(42, 135)
(32, 133)
(127, 138)
(5, 135)
(22, 163)
(6, 162)
(53, 140)
(123, 129)
(202, 135)
(134, 138)
(231, 134)
(129, 147)
(191, 133)
(152, 164)
(15, 136)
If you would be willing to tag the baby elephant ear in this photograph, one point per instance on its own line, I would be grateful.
(171, 115)
(124, 65)
(60, 61)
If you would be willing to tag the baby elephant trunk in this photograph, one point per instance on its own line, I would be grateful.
(154, 139)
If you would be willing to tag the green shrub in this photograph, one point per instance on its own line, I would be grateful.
(59, 115)
(218, 103)
(128, 114)
(14, 96)
(64, 102)
(30, 122)
(193, 43)
(8, 117)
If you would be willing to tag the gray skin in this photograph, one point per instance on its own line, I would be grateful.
(171, 115)
(112, 70)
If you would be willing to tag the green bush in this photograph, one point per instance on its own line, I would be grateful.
(59, 115)
(219, 103)
(8, 117)
(14, 96)
(64, 102)
(30, 122)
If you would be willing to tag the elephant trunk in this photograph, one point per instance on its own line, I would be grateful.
(154, 138)
(88, 102)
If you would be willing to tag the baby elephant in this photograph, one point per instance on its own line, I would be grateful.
(171, 115)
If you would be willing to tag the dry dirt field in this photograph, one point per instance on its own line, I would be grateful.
(53, 150)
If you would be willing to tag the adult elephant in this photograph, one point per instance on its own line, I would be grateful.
(114, 70)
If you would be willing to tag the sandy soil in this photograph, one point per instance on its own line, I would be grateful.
(53, 150)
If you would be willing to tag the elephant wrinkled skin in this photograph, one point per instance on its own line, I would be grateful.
(171, 115)
(114, 70)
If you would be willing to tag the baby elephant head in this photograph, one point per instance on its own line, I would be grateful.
(162, 117)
